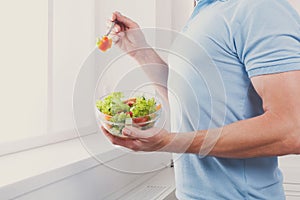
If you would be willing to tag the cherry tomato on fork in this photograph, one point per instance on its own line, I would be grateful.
(104, 44)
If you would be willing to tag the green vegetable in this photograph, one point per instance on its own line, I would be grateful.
(119, 118)
(112, 104)
(116, 130)
(119, 109)
(143, 107)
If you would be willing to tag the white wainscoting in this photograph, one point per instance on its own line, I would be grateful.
(290, 166)
(138, 174)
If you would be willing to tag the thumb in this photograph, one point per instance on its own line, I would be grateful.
(133, 132)
(124, 20)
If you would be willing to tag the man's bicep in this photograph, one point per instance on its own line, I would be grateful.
(280, 93)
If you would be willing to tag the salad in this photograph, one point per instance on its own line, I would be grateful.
(116, 111)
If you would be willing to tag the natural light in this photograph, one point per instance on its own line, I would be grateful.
(50, 146)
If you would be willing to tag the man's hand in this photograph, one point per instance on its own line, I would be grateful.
(128, 35)
(153, 139)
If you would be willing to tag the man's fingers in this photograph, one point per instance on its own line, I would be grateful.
(136, 133)
(107, 134)
(114, 16)
(115, 38)
(125, 142)
(124, 20)
(121, 34)
(131, 132)
(117, 27)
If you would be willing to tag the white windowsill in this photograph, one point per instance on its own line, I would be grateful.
(22, 166)
(16, 146)
(30, 170)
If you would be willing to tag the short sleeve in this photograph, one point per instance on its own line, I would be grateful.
(268, 39)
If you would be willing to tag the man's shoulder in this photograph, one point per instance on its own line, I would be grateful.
(239, 11)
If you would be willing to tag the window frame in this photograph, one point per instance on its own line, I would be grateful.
(15, 146)
(49, 138)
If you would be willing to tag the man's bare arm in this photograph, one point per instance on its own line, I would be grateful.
(276, 132)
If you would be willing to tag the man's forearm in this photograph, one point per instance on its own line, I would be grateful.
(155, 68)
(266, 135)
(148, 55)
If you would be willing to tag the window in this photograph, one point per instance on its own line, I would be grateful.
(72, 39)
(23, 77)
(43, 46)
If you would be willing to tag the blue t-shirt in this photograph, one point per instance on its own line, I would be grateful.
(223, 45)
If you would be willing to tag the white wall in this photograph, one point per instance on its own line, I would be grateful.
(23, 68)
(73, 40)
(185, 7)
(290, 166)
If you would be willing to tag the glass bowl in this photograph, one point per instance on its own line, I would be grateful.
(142, 122)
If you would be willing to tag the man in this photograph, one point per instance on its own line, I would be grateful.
(255, 46)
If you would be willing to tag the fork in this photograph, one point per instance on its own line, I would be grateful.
(111, 28)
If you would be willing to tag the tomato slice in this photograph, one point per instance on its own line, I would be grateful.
(141, 121)
(158, 107)
(104, 44)
(129, 113)
(130, 101)
(107, 117)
